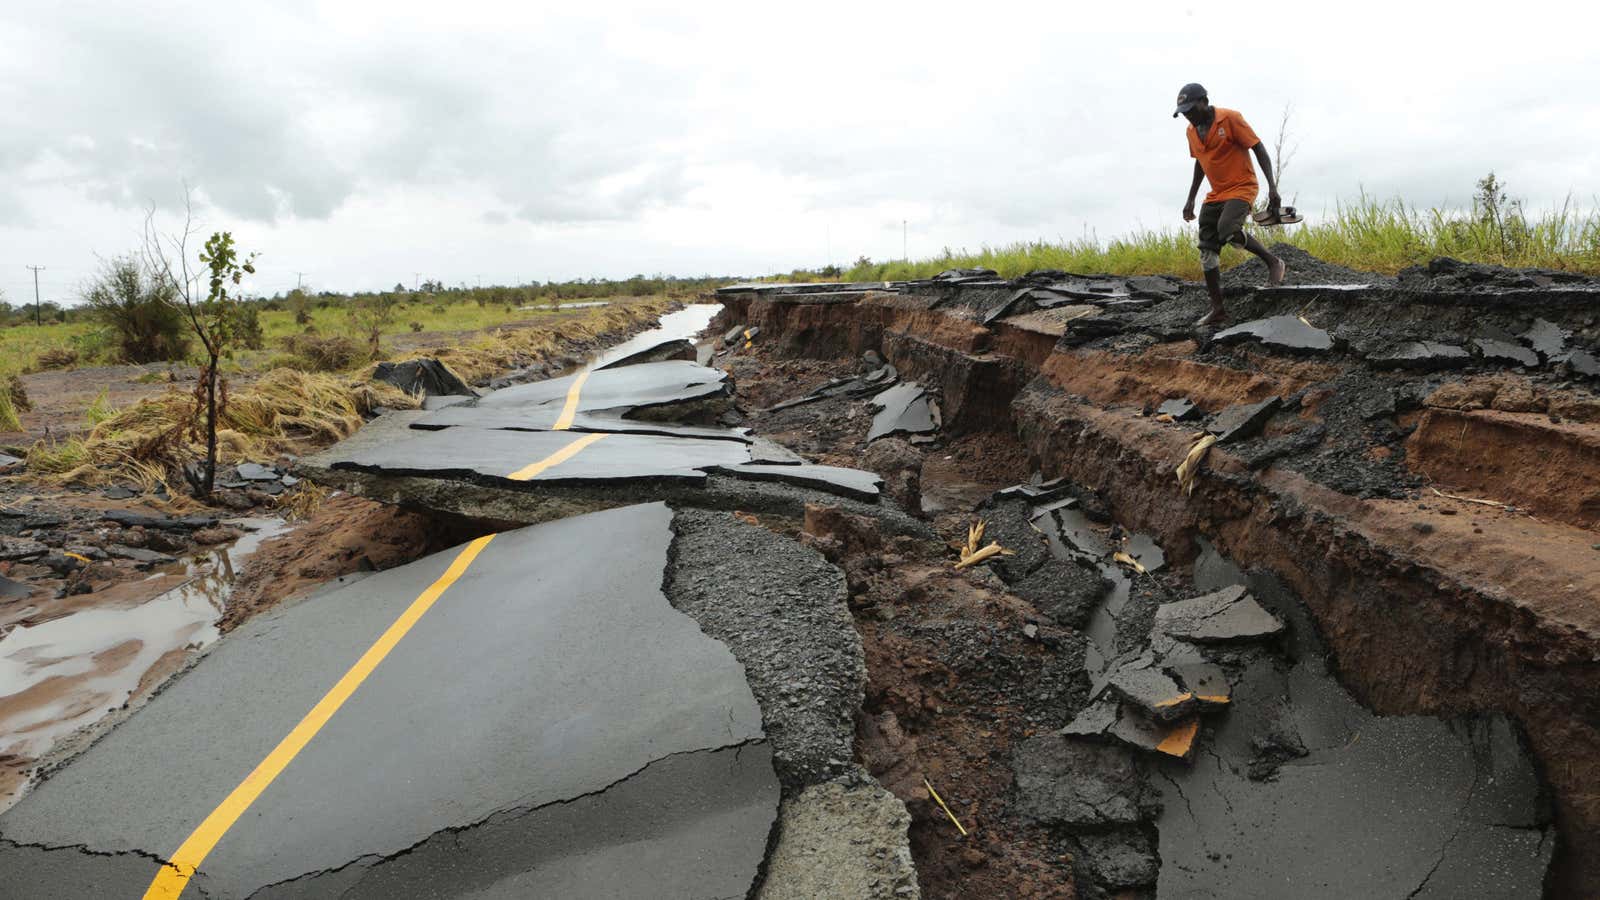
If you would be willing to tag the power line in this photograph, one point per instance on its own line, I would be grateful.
(38, 319)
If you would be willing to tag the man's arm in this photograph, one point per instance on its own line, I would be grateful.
(1273, 200)
(1194, 188)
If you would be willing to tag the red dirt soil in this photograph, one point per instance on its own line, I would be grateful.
(346, 534)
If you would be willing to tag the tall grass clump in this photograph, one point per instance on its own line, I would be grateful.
(284, 411)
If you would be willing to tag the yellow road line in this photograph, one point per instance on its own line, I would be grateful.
(171, 880)
(529, 472)
(173, 877)
(564, 421)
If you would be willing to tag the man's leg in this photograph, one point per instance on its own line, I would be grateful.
(1211, 263)
(1275, 266)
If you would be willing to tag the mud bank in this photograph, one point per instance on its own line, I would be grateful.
(1429, 605)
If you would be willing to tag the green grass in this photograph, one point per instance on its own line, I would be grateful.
(433, 315)
(20, 345)
(1365, 234)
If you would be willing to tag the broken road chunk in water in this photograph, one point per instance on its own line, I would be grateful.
(1230, 614)
(1128, 723)
(1142, 683)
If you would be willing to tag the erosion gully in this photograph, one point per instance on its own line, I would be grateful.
(1412, 498)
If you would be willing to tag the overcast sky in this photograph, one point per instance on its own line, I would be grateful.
(362, 143)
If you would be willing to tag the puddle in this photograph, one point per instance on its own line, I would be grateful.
(1377, 805)
(63, 671)
(946, 487)
(1073, 537)
(681, 324)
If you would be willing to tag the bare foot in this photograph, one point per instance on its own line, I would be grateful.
(1216, 316)
(1275, 272)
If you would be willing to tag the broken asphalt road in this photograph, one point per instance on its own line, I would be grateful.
(526, 715)
(579, 432)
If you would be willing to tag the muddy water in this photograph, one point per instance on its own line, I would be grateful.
(1298, 784)
(681, 324)
(67, 665)
(1072, 537)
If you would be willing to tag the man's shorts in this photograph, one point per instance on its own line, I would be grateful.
(1221, 223)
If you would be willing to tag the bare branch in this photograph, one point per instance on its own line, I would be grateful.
(1283, 150)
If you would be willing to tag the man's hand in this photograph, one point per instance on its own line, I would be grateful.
(1188, 211)
(1273, 200)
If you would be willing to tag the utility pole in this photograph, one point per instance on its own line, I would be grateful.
(480, 282)
(299, 278)
(904, 256)
(414, 281)
(38, 319)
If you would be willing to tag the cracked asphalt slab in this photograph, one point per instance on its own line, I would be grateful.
(544, 728)
(581, 429)
(639, 386)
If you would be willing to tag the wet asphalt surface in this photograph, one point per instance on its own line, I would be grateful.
(533, 683)
(522, 736)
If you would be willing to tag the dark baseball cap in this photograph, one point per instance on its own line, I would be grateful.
(1188, 95)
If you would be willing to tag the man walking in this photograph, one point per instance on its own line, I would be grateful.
(1218, 141)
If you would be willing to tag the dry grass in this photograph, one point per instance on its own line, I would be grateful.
(302, 503)
(288, 410)
(285, 411)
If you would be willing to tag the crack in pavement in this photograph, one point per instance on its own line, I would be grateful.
(83, 849)
(372, 861)
(1444, 849)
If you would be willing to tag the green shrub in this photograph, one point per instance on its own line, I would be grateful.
(140, 311)
(248, 328)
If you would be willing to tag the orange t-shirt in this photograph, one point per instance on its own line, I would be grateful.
(1225, 157)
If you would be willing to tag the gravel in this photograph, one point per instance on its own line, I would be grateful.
(785, 619)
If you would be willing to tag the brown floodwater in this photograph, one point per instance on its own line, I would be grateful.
(65, 664)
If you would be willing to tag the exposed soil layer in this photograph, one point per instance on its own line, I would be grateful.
(345, 535)
(954, 682)
(1431, 604)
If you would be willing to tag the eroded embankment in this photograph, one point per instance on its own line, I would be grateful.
(1392, 398)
